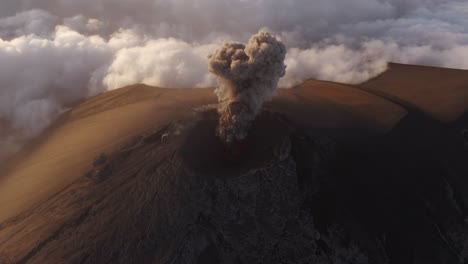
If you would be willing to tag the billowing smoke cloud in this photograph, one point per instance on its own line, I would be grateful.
(54, 53)
(247, 76)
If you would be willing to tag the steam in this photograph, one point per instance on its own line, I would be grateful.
(55, 53)
(247, 76)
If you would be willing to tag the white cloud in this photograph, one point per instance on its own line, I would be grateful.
(54, 53)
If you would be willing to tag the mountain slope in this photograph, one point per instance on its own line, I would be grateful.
(330, 173)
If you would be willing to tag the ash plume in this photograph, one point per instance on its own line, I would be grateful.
(247, 76)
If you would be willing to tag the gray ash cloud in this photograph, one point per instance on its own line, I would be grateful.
(247, 75)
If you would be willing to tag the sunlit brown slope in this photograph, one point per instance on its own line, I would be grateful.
(442, 93)
(331, 105)
(101, 124)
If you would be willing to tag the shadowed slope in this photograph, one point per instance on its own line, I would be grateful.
(333, 173)
(181, 199)
(154, 201)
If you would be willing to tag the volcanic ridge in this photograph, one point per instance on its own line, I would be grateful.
(328, 173)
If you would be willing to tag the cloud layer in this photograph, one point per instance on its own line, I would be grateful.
(54, 53)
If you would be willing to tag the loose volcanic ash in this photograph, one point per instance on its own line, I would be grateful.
(247, 76)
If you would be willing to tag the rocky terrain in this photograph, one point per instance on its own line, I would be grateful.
(329, 174)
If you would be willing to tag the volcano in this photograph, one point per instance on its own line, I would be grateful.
(329, 173)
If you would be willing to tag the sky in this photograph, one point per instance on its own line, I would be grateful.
(55, 53)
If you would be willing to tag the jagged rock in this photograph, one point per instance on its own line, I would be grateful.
(100, 160)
